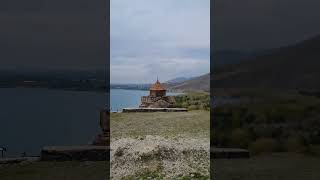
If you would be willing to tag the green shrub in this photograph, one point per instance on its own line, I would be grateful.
(219, 139)
(193, 107)
(193, 101)
(312, 150)
(264, 145)
(239, 138)
(192, 176)
(295, 144)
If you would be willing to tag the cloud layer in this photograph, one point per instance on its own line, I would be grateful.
(168, 38)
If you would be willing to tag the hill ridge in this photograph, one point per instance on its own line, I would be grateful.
(291, 67)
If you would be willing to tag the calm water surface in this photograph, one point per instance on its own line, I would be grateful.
(33, 118)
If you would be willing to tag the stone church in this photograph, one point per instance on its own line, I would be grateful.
(157, 98)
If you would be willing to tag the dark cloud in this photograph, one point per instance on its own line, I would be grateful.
(263, 24)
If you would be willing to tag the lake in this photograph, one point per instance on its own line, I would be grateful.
(33, 118)
(121, 98)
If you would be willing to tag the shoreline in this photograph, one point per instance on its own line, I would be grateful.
(61, 89)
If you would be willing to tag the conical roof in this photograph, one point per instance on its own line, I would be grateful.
(157, 86)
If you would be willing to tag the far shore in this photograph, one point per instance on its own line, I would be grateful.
(62, 89)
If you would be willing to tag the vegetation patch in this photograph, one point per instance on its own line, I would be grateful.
(279, 122)
(55, 170)
(194, 176)
(271, 166)
(145, 175)
(193, 101)
(173, 124)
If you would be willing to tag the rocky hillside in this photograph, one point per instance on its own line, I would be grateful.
(201, 83)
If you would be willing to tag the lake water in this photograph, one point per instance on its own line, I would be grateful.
(33, 118)
(120, 98)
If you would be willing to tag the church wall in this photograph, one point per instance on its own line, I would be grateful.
(149, 101)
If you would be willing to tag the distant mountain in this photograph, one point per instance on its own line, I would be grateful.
(177, 80)
(292, 67)
(67, 80)
(201, 83)
(131, 86)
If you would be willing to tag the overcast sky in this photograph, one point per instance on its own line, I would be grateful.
(263, 24)
(168, 38)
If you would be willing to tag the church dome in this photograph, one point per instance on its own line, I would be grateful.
(157, 87)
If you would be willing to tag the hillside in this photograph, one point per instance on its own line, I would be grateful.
(201, 83)
(75, 80)
(293, 67)
(177, 80)
(226, 57)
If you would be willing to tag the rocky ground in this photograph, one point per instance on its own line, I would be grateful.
(163, 158)
(160, 145)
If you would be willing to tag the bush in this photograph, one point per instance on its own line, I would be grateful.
(193, 107)
(193, 101)
(295, 144)
(264, 145)
(219, 139)
(313, 150)
(239, 138)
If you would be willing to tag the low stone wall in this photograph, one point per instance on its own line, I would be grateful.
(128, 110)
(18, 160)
(79, 153)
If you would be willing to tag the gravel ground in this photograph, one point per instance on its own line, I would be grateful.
(168, 158)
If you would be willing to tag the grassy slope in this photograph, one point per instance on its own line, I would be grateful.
(281, 116)
(192, 123)
(273, 108)
(55, 170)
(272, 167)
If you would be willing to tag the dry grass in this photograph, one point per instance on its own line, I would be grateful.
(173, 124)
(55, 170)
(284, 166)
